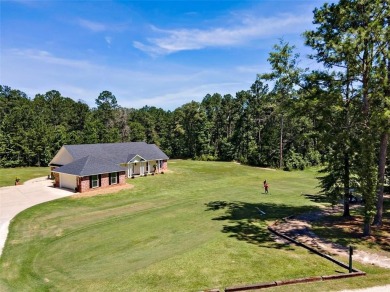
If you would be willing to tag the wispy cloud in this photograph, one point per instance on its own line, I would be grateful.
(46, 57)
(248, 69)
(179, 96)
(72, 56)
(38, 71)
(108, 40)
(96, 26)
(92, 25)
(251, 28)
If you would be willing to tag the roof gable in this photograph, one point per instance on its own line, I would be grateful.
(62, 157)
(135, 158)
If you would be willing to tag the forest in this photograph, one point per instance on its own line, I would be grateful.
(290, 118)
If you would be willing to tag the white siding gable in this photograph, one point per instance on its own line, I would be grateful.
(136, 158)
(62, 157)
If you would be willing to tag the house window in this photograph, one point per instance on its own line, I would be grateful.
(113, 178)
(94, 181)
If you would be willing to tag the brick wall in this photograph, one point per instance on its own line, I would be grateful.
(122, 177)
(51, 171)
(105, 180)
(83, 183)
(164, 165)
(56, 176)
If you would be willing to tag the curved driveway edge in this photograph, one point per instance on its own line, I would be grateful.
(15, 199)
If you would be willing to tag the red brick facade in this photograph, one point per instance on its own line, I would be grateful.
(56, 176)
(83, 184)
(122, 178)
(164, 165)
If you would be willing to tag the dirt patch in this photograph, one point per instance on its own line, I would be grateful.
(105, 191)
(353, 227)
(263, 168)
(300, 229)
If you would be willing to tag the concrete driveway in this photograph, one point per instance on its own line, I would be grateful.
(15, 199)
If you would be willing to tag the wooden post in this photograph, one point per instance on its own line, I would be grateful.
(350, 258)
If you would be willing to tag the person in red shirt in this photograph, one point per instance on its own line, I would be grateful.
(266, 187)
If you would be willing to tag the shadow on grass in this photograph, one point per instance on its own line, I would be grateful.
(349, 231)
(246, 221)
(316, 198)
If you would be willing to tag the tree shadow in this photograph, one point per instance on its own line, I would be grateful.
(316, 198)
(246, 221)
(348, 231)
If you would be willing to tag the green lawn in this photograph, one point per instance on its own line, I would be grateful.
(8, 175)
(193, 228)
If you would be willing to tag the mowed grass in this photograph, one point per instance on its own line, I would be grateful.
(193, 228)
(8, 175)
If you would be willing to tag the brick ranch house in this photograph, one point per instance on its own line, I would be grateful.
(86, 167)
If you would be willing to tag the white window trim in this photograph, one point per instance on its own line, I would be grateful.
(113, 175)
(93, 180)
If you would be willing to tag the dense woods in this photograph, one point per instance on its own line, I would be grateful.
(255, 127)
(260, 126)
(290, 118)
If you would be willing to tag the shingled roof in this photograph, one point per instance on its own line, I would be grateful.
(91, 159)
(117, 152)
(89, 165)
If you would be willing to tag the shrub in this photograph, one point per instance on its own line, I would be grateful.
(294, 161)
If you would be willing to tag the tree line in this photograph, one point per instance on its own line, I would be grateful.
(246, 128)
(290, 118)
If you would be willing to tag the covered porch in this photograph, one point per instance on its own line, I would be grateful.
(138, 166)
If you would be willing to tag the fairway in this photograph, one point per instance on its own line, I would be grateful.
(195, 227)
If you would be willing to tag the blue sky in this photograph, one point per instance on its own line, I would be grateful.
(155, 53)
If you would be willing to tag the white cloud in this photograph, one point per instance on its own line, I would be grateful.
(167, 85)
(92, 25)
(97, 27)
(151, 50)
(137, 80)
(248, 69)
(46, 57)
(250, 29)
(108, 40)
(179, 96)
